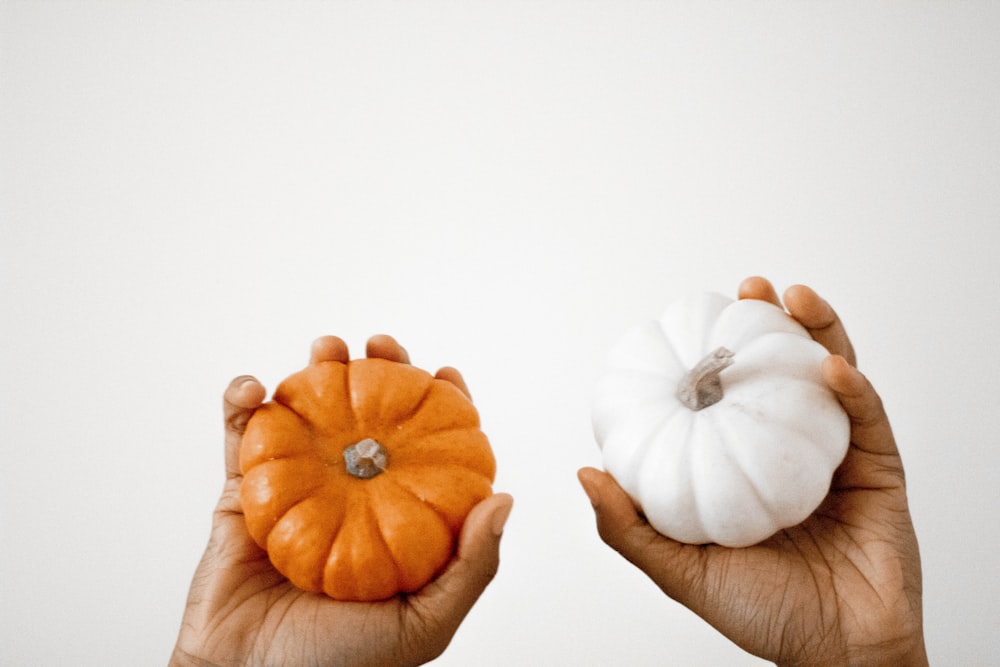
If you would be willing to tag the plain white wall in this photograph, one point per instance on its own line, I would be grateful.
(191, 191)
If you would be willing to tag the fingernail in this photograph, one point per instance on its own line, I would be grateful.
(499, 518)
(250, 392)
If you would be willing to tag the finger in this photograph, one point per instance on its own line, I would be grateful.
(386, 347)
(329, 348)
(452, 375)
(870, 428)
(618, 522)
(450, 597)
(244, 395)
(675, 567)
(820, 319)
(758, 288)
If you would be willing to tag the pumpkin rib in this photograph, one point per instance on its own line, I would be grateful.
(614, 402)
(306, 391)
(650, 439)
(649, 483)
(289, 552)
(695, 484)
(255, 449)
(781, 356)
(443, 409)
(264, 473)
(796, 389)
(309, 497)
(344, 577)
(460, 446)
(376, 388)
(789, 435)
(428, 390)
(765, 502)
(809, 457)
(397, 569)
(687, 327)
(435, 535)
(423, 502)
(364, 539)
(384, 555)
(408, 482)
(373, 516)
(737, 329)
(645, 348)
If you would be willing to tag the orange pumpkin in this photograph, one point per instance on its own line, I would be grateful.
(357, 476)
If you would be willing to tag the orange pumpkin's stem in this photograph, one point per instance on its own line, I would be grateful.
(702, 386)
(365, 459)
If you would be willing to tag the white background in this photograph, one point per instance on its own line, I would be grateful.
(192, 191)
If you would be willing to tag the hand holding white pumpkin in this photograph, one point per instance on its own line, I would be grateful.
(841, 587)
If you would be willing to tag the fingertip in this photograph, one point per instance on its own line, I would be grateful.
(490, 514)
(589, 480)
(383, 346)
(329, 348)
(800, 289)
(253, 393)
(502, 503)
(452, 375)
(245, 392)
(808, 307)
(754, 284)
(759, 288)
(841, 376)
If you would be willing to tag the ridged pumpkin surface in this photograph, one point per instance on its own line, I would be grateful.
(757, 457)
(352, 538)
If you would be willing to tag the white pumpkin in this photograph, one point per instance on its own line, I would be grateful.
(716, 420)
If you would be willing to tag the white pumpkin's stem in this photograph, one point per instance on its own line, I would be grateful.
(702, 386)
(365, 459)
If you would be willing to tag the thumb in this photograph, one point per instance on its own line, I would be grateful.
(451, 595)
(618, 522)
(675, 567)
(243, 395)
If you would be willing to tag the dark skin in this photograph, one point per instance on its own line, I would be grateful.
(843, 587)
(241, 611)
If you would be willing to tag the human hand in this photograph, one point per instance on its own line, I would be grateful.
(241, 611)
(844, 586)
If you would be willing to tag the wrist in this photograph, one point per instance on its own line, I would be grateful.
(914, 656)
(181, 658)
(917, 657)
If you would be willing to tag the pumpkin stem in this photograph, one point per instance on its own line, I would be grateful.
(365, 459)
(702, 386)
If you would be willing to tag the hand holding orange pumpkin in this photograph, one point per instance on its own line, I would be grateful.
(241, 610)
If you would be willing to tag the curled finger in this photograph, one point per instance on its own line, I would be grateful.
(821, 320)
(244, 395)
(383, 346)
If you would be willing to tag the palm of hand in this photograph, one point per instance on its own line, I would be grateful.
(818, 591)
(241, 610)
(248, 609)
